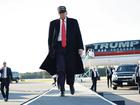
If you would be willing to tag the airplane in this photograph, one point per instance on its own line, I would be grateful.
(112, 53)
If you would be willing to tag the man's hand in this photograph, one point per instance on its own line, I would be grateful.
(80, 52)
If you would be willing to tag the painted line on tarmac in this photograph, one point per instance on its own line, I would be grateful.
(36, 97)
(103, 98)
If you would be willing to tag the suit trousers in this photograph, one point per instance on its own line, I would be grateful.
(109, 81)
(94, 84)
(62, 73)
(5, 89)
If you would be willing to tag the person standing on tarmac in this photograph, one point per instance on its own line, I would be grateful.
(138, 77)
(94, 77)
(55, 80)
(109, 73)
(6, 77)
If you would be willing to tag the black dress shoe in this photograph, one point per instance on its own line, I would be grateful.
(91, 89)
(62, 94)
(72, 90)
(5, 99)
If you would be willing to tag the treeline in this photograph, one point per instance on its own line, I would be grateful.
(44, 74)
(34, 75)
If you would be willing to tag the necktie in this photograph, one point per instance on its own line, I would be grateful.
(63, 34)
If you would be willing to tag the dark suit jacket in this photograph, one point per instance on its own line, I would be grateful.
(74, 42)
(108, 72)
(9, 75)
(93, 77)
(138, 74)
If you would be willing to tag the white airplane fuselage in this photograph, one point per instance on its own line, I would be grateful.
(112, 60)
(112, 53)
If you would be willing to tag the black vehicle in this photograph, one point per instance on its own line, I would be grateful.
(16, 76)
(124, 76)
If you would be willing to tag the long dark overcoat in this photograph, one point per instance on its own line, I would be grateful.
(74, 42)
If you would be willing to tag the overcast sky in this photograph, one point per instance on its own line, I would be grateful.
(24, 26)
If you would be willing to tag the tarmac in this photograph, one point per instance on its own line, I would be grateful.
(82, 96)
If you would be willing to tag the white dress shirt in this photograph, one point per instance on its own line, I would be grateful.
(94, 71)
(109, 70)
(5, 72)
(60, 32)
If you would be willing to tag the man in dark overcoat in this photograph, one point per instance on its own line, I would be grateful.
(65, 50)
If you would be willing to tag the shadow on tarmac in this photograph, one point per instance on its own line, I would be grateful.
(13, 95)
(118, 99)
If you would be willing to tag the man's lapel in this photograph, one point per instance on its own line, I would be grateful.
(57, 26)
(2, 73)
(68, 28)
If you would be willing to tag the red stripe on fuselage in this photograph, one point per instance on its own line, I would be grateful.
(117, 53)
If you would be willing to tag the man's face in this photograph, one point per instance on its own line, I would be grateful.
(63, 15)
(4, 64)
